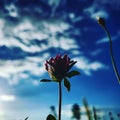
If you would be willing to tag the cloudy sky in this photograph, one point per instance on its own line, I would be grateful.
(32, 31)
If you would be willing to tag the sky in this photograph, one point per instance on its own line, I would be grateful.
(32, 31)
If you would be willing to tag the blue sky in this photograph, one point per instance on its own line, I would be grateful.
(33, 31)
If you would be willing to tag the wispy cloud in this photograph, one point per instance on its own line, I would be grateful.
(94, 12)
(88, 66)
(32, 38)
(7, 98)
(12, 10)
(35, 34)
(14, 71)
(35, 38)
(100, 14)
(105, 39)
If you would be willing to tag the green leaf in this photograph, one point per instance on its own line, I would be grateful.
(72, 73)
(26, 118)
(50, 117)
(54, 78)
(67, 84)
(45, 80)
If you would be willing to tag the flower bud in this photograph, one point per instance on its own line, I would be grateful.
(101, 21)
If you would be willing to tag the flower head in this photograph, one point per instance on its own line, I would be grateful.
(101, 21)
(59, 66)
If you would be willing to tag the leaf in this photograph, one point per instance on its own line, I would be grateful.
(26, 118)
(50, 117)
(67, 84)
(54, 78)
(72, 73)
(45, 80)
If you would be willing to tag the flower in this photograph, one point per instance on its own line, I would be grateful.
(59, 66)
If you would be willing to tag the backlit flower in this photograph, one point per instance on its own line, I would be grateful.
(59, 66)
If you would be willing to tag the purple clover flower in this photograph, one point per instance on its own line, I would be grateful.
(59, 66)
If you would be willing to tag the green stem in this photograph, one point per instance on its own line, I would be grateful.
(111, 53)
(60, 101)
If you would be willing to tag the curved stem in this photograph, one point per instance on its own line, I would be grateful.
(60, 100)
(111, 54)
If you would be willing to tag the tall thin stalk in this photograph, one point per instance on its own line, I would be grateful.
(88, 112)
(60, 100)
(102, 23)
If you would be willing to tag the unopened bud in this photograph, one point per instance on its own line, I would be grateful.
(101, 21)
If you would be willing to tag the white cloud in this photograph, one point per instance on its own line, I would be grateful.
(27, 31)
(12, 10)
(7, 98)
(68, 43)
(14, 71)
(35, 82)
(23, 35)
(101, 13)
(94, 11)
(55, 26)
(66, 110)
(54, 4)
(105, 39)
(1, 23)
(95, 66)
(12, 42)
(1, 113)
(75, 19)
(87, 66)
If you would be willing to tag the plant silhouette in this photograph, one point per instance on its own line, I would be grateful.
(76, 112)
